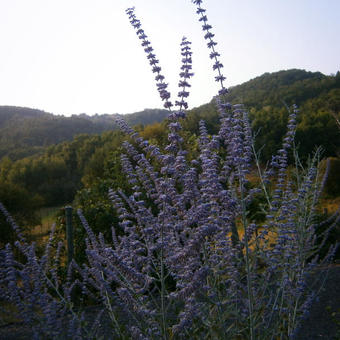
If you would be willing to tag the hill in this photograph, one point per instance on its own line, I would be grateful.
(145, 117)
(25, 131)
(267, 98)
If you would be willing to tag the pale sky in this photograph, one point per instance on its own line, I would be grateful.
(82, 56)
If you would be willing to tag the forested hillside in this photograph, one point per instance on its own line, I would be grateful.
(267, 98)
(24, 131)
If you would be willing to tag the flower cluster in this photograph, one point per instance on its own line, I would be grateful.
(35, 290)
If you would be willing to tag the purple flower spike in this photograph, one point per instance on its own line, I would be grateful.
(211, 45)
(161, 86)
(185, 73)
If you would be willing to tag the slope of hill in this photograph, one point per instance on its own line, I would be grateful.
(25, 131)
(267, 97)
(290, 86)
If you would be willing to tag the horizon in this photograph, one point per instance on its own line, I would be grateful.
(153, 108)
(72, 58)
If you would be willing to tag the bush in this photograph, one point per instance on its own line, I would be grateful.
(192, 262)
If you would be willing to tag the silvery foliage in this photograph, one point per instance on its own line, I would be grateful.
(192, 262)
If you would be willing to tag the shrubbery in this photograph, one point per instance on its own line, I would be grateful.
(190, 260)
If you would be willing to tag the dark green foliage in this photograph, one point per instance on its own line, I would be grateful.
(57, 174)
(208, 113)
(266, 98)
(95, 203)
(22, 205)
(291, 86)
(146, 117)
(315, 94)
(332, 186)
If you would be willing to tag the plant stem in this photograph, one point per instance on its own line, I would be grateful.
(246, 241)
(164, 327)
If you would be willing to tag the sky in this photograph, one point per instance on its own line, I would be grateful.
(82, 56)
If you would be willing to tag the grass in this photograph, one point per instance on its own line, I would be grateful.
(40, 233)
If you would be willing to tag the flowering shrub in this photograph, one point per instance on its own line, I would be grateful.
(193, 262)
